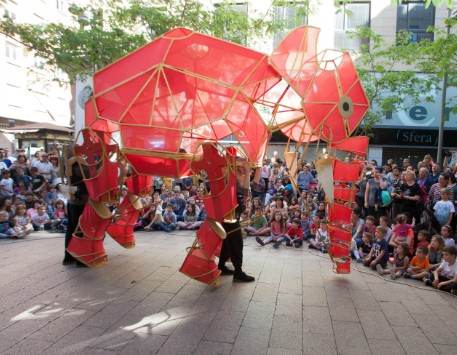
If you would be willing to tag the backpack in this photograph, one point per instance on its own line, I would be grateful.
(383, 198)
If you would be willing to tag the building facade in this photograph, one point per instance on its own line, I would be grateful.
(28, 92)
(30, 96)
(405, 134)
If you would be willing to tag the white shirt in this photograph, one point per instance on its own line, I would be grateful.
(447, 270)
(44, 168)
(8, 185)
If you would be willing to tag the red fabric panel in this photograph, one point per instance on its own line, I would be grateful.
(140, 185)
(103, 187)
(91, 224)
(200, 268)
(344, 193)
(339, 214)
(158, 166)
(345, 172)
(87, 251)
(293, 58)
(355, 145)
(209, 241)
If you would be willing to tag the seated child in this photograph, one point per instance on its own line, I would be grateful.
(378, 253)
(384, 221)
(6, 226)
(150, 218)
(41, 220)
(420, 266)
(435, 251)
(400, 264)
(365, 247)
(258, 223)
(447, 233)
(191, 221)
(402, 233)
(321, 241)
(305, 222)
(369, 225)
(313, 228)
(423, 237)
(445, 276)
(22, 221)
(277, 230)
(169, 219)
(294, 235)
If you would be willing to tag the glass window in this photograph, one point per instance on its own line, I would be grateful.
(11, 51)
(415, 18)
(291, 16)
(348, 18)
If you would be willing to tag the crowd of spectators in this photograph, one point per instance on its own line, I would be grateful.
(403, 219)
(30, 197)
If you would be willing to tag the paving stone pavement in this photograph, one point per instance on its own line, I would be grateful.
(141, 304)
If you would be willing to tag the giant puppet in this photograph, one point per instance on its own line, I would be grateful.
(163, 110)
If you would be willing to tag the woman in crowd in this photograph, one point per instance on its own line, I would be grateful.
(411, 195)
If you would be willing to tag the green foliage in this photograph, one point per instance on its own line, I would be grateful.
(389, 71)
(122, 26)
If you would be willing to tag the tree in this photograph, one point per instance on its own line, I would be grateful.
(389, 72)
(108, 33)
(389, 89)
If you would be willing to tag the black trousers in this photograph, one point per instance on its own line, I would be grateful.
(446, 288)
(232, 246)
(74, 212)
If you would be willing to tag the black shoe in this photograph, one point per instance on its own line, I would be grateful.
(277, 244)
(242, 277)
(80, 264)
(260, 241)
(427, 282)
(68, 261)
(407, 275)
(226, 271)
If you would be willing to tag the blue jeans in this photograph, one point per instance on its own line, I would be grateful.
(166, 227)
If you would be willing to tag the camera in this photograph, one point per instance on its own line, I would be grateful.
(447, 153)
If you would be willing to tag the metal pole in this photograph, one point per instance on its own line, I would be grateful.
(439, 156)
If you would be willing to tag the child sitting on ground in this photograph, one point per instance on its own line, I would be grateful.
(435, 252)
(369, 226)
(41, 220)
(423, 237)
(305, 222)
(294, 234)
(365, 247)
(321, 241)
(277, 230)
(6, 226)
(378, 253)
(420, 266)
(445, 276)
(384, 222)
(315, 225)
(446, 233)
(258, 223)
(402, 233)
(22, 221)
(400, 264)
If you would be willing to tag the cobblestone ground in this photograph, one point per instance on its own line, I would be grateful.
(141, 304)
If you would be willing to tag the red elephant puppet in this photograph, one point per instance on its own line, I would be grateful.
(163, 110)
